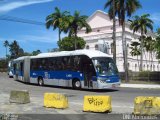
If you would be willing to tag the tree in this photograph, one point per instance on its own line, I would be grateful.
(157, 44)
(53, 50)
(78, 22)
(57, 20)
(15, 50)
(36, 52)
(142, 24)
(112, 13)
(6, 45)
(124, 8)
(67, 43)
(27, 54)
(3, 65)
(135, 50)
(149, 45)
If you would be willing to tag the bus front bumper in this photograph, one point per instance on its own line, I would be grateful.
(108, 85)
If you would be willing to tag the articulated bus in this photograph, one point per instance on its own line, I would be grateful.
(87, 69)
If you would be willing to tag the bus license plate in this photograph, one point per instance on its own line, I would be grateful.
(113, 86)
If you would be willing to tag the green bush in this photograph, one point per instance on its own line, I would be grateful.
(68, 43)
(143, 74)
(3, 64)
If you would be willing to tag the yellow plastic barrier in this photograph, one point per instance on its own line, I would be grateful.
(147, 105)
(97, 104)
(55, 100)
(20, 97)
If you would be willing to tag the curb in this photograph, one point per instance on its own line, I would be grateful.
(140, 86)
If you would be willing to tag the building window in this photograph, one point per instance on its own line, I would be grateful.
(96, 47)
(98, 30)
(128, 52)
(87, 47)
(153, 67)
(112, 49)
(135, 67)
(147, 67)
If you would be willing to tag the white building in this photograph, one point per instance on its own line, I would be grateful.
(101, 39)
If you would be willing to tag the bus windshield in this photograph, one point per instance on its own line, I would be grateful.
(105, 66)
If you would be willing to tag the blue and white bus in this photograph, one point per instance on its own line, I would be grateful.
(88, 69)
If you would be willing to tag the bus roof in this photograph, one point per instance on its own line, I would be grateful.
(21, 58)
(89, 53)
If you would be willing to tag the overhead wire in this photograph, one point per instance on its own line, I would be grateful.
(20, 20)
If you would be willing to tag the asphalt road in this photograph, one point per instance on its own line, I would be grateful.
(122, 99)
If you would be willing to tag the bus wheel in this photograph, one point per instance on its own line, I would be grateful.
(40, 81)
(76, 84)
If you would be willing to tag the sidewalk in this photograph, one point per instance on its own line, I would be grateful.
(140, 86)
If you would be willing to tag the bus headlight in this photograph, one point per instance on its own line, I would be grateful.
(102, 80)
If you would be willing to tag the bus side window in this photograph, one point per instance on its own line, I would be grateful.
(21, 66)
(39, 62)
(77, 63)
(14, 66)
(51, 64)
(58, 65)
(64, 63)
(71, 63)
(46, 64)
(34, 64)
(74, 63)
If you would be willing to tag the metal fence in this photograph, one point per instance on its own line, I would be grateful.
(142, 76)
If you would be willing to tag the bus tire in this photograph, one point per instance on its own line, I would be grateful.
(76, 84)
(40, 81)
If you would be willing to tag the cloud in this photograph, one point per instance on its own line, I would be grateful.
(156, 17)
(37, 36)
(8, 6)
(49, 37)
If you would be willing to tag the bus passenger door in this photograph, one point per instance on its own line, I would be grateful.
(15, 71)
(88, 72)
(21, 74)
(87, 77)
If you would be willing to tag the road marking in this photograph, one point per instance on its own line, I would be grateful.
(116, 106)
(123, 106)
(76, 103)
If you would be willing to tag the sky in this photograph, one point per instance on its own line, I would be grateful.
(32, 37)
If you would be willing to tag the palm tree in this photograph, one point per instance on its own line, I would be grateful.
(124, 8)
(112, 13)
(6, 44)
(57, 20)
(149, 45)
(135, 50)
(78, 22)
(157, 44)
(142, 24)
(14, 49)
